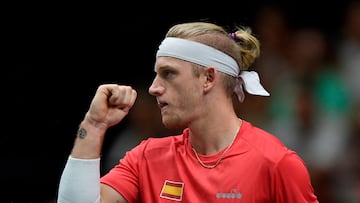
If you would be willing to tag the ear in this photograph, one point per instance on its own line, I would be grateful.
(210, 78)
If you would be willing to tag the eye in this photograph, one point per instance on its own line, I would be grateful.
(167, 74)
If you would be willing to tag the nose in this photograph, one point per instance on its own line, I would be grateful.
(156, 88)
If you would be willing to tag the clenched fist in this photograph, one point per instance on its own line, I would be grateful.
(111, 104)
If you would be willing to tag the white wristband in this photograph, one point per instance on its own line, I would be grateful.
(80, 181)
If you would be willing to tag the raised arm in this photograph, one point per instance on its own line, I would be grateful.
(109, 106)
(80, 180)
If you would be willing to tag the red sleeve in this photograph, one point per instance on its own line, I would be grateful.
(124, 177)
(292, 181)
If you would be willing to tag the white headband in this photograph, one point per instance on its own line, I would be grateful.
(198, 53)
(206, 56)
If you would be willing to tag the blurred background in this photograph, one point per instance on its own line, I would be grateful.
(57, 54)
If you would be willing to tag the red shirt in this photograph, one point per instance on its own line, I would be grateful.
(257, 168)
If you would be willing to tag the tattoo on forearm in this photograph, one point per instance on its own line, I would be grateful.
(81, 133)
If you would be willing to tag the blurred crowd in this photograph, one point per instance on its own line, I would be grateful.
(315, 104)
(314, 80)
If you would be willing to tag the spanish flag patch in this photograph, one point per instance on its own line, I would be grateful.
(172, 190)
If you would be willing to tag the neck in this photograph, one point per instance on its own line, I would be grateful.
(212, 137)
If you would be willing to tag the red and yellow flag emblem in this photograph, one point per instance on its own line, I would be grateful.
(172, 190)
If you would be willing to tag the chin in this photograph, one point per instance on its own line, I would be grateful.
(173, 123)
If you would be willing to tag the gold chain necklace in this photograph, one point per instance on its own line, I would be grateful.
(221, 157)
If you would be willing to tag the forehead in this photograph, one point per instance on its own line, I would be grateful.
(163, 62)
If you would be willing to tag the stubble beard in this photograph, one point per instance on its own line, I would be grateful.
(173, 122)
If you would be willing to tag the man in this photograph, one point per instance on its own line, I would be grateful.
(218, 157)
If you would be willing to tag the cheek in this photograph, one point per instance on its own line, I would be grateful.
(190, 99)
(187, 95)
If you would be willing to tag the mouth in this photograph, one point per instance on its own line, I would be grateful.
(161, 104)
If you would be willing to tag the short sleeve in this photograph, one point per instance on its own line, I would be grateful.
(292, 181)
(124, 177)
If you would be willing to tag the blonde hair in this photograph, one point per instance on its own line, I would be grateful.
(243, 46)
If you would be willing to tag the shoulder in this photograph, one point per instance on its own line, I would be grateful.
(162, 143)
(263, 143)
(267, 146)
(260, 138)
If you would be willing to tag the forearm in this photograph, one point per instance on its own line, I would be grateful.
(89, 140)
(80, 181)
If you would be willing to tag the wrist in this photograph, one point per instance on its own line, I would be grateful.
(89, 121)
(89, 140)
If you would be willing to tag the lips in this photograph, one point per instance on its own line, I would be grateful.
(161, 104)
